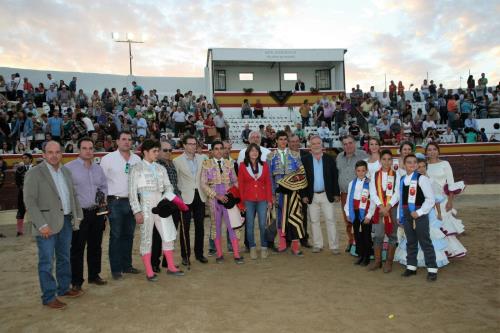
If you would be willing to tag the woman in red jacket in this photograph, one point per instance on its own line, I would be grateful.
(254, 182)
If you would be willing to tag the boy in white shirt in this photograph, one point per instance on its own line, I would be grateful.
(359, 212)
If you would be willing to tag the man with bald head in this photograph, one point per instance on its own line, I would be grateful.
(254, 137)
(55, 212)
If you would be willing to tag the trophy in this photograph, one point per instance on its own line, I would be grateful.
(100, 200)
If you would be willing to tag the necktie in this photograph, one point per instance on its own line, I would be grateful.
(283, 157)
(220, 166)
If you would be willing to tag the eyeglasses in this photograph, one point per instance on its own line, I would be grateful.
(127, 167)
(167, 150)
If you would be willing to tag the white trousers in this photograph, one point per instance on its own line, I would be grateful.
(320, 204)
(165, 226)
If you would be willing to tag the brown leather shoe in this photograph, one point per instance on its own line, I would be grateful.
(56, 304)
(74, 293)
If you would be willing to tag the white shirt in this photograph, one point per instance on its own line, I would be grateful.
(425, 185)
(18, 84)
(372, 168)
(323, 132)
(199, 125)
(219, 122)
(179, 117)
(263, 157)
(385, 101)
(358, 188)
(50, 82)
(428, 124)
(62, 188)
(395, 194)
(88, 124)
(113, 165)
(142, 125)
(448, 138)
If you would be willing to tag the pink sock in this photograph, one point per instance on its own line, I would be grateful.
(20, 226)
(146, 259)
(218, 247)
(295, 246)
(236, 247)
(169, 254)
(282, 245)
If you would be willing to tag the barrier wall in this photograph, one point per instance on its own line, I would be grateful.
(476, 164)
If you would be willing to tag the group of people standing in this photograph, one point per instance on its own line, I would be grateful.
(414, 192)
(284, 189)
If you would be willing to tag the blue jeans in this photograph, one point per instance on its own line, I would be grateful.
(121, 235)
(59, 243)
(259, 207)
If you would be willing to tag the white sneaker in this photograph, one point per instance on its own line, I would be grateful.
(316, 250)
(253, 253)
(335, 252)
(263, 252)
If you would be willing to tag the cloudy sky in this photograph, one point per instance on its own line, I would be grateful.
(404, 39)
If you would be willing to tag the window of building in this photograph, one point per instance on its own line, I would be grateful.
(323, 81)
(246, 76)
(290, 76)
(220, 80)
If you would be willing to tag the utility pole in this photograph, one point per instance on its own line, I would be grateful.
(128, 39)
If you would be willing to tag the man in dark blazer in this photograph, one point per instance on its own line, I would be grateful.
(321, 192)
(300, 86)
(55, 212)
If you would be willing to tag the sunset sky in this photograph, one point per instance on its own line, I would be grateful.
(403, 39)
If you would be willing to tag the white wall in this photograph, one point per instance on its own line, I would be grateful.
(281, 55)
(90, 81)
(265, 78)
(338, 77)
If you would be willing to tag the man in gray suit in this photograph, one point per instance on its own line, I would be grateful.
(188, 167)
(55, 212)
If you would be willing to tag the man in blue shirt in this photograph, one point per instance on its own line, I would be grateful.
(321, 192)
(55, 126)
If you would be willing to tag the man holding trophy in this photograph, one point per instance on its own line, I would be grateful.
(91, 189)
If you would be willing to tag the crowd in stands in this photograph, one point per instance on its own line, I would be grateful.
(393, 117)
(31, 114)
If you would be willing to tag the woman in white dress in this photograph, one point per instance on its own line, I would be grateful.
(440, 172)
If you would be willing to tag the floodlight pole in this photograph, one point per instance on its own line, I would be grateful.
(129, 41)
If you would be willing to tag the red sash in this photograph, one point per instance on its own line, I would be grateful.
(384, 198)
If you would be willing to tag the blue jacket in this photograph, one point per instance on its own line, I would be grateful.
(28, 127)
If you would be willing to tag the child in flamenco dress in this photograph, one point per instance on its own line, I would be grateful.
(443, 244)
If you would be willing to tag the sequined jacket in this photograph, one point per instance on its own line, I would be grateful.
(278, 169)
(147, 178)
(211, 176)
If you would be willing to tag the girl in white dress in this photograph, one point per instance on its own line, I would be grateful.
(374, 159)
(441, 173)
(438, 238)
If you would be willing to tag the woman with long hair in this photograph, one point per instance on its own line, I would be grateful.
(374, 159)
(254, 182)
(441, 173)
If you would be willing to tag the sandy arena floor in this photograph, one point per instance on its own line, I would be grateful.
(317, 293)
